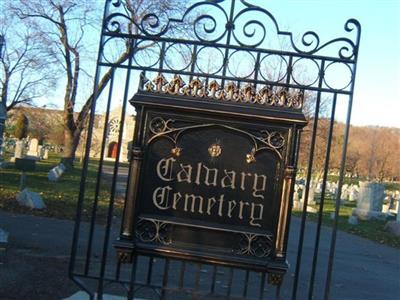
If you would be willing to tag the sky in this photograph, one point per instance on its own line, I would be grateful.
(377, 86)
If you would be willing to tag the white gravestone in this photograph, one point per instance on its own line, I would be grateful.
(318, 189)
(19, 149)
(46, 154)
(344, 196)
(353, 195)
(333, 188)
(311, 195)
(56, 172)
(370, 201)
(394, 226)
(296, 200)
(30, 199)
(33, 148)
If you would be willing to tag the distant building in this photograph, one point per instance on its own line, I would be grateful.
(51, 119)
(112, 133)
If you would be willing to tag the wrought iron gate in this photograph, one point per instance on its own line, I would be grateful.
(234, 52)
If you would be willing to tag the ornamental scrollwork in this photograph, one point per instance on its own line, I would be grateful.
(230, 92)
(255, 244)
(153, 231)
(264, 140)
(237, 23)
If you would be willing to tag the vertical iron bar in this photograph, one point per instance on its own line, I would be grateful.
(309, 173)
(262, 285)
(213, 279)
(342, 167)
(150, 272)
(198, 276)
(118, 270)
(337, 201)
(131, 292)
(182, 275)
(165, 279)
(246, 282)
(230, 283)
(229, 28)
(162, 56)
(278, 292)
(321, 204)
(99, 175)
(100, 286)
(75, 238)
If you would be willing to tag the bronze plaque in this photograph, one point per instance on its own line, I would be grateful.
(210, 189)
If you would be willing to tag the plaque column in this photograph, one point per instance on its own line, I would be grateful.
(125, 245)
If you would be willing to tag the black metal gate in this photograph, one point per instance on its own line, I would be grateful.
(228, 48)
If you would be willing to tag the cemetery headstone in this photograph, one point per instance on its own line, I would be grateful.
(318, 188)
(344, 196)
(311, 209)
(19, 150)
(370, 201)
(333, 188)
(311, 195)
(55, 173)
(394, 226)
(33, 148)
(296, 200)
(353, 194)
(46, 154)
(385, 208)
(390, 200)
(30, 199)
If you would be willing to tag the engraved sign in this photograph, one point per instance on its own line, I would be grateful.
(210, 189)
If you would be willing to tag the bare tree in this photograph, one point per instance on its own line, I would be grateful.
(62, 26)
(23, 76)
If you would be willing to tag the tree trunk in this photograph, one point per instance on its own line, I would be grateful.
(71, 141)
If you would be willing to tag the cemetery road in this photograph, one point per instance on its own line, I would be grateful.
(38, 254)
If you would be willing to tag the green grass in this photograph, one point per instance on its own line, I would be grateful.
(372, 229)
(60, 197)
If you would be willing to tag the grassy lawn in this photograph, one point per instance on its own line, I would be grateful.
(60, 197)
(373, 229)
